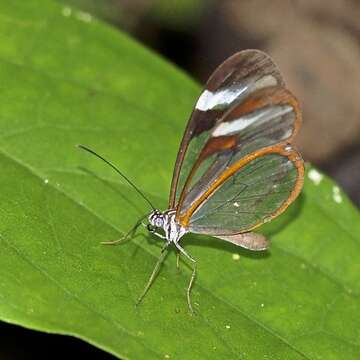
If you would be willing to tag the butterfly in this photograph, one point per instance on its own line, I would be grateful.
(236, 168)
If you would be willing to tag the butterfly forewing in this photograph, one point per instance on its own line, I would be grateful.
(267, 117)
(256, 191)
(241, 75)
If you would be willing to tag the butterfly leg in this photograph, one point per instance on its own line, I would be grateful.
(193, 275)
(131, 232)
(161, 236)
(178, 260)
(154, 273)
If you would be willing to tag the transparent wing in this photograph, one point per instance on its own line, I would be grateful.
(266, 118)
(252, 191)
(241, 75)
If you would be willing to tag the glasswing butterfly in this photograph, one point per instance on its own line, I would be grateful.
(236, 168)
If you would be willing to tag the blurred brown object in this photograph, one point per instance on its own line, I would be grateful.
(316, 45)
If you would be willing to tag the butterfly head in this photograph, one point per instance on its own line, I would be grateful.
(156, 220)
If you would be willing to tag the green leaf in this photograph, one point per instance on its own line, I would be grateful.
(66, 79)
(181, 15)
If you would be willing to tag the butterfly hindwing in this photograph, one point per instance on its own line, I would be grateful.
(252, 191)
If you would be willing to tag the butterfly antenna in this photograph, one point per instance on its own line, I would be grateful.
(119, 172)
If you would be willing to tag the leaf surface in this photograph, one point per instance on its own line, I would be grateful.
(65, 79)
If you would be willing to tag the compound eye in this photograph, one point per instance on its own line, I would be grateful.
(159, 222)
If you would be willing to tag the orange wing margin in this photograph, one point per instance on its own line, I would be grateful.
(281, 149)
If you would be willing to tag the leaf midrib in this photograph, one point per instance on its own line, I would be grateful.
(331, 277)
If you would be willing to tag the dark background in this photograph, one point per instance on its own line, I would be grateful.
(316, 44)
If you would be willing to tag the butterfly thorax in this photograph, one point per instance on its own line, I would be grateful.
(166, 221)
